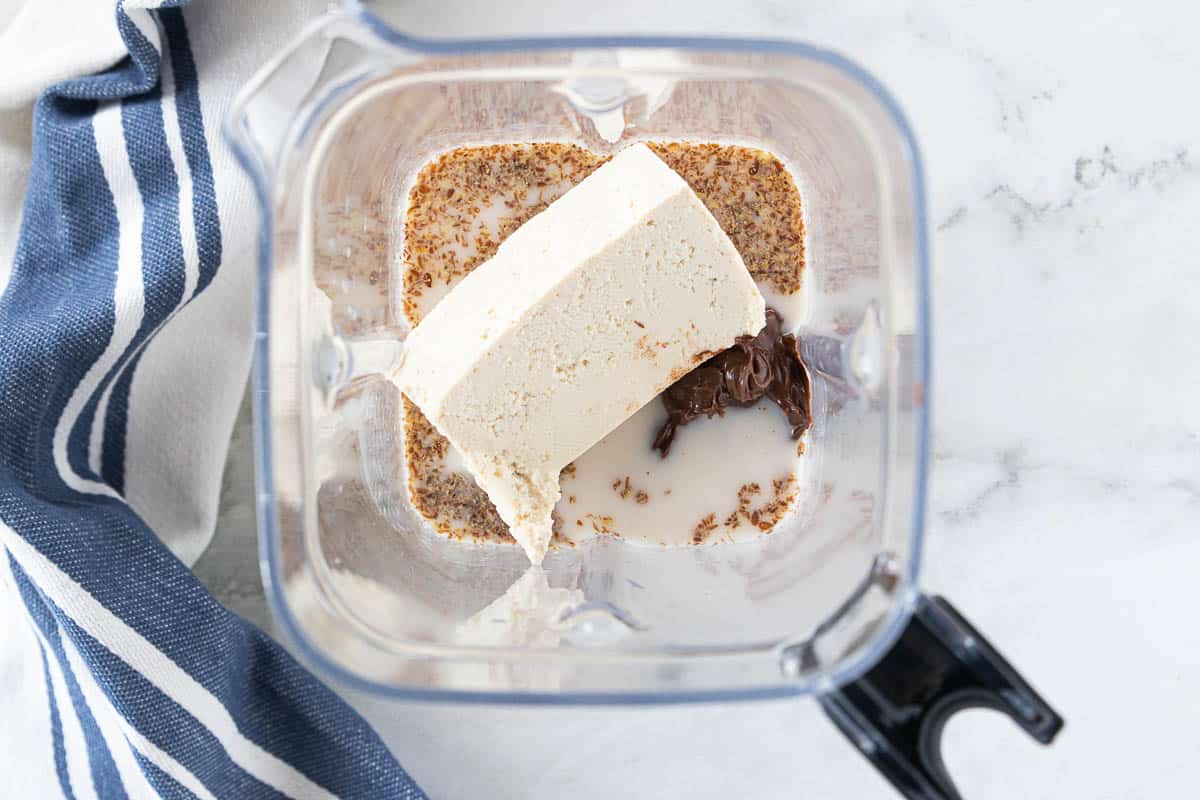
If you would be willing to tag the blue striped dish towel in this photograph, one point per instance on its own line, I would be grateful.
(125, 339)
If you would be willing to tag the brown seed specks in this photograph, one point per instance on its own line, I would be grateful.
(703, 528)
(602, 523)
(625, 488)
(767, 514)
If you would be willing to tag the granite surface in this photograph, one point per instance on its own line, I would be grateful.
(1062, 141)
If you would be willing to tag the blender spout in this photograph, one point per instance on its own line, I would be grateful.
(293, 91)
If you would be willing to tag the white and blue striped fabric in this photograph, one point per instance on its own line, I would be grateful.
(125, 335)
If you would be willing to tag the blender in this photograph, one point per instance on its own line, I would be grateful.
(331, 133)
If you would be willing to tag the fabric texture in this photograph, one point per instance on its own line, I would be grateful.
(125, 337)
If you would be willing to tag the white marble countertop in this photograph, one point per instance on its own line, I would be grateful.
(1062, 141)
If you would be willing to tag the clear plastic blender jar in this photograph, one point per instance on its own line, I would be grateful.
(332, 133)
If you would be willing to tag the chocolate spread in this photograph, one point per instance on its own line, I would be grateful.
(756, 366)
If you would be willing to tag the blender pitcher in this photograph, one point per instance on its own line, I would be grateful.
(332, 132)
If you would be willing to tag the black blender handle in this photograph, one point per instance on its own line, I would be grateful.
(895, 713)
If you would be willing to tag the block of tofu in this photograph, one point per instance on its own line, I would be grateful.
(585, 314)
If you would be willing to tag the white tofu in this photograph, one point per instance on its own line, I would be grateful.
(585, 314)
